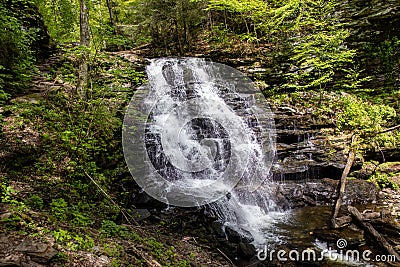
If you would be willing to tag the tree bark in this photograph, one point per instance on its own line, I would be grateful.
(346, 220)
(382, 242)
(83, 75)
(110, 11)
(342, 182)
(341, 221)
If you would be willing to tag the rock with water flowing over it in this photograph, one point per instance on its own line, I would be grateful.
(237, 236)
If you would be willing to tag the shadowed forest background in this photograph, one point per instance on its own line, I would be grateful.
(330, 70)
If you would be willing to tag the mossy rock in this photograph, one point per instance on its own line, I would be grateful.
(395, 180)
(34, 98)
(389, 167)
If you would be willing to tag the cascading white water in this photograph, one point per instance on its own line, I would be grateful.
(209, 138)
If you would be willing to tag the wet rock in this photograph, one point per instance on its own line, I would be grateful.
(354, 238)
(367, 169)
(390, 199)
(360, 192)
(232, 235)
(246, 250)
(143, 200)
(236, 236)
(140, 214)
(303, 151)
(217, 229)
(323, 192)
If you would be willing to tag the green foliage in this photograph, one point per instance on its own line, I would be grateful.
(307, 34)
(77, 136)
(221, 37)
(171, 24)
(113, 249)
(73, 241)
(16, 60)
(7, 193)
(111, 229)
(13, 222)
(363, 117)
(320, 58)
(368, 122)
(300, 16)
(61, 18)
(80, 217)
(242, 17)
(8, 196)
(382, 181)
(318, 53)
(59, 208)
(35, 202)
(388, 54)
(157, 248)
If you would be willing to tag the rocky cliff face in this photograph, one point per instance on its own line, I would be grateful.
(303, 149)
(371, 20)
(375, 29)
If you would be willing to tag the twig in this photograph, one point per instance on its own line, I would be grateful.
(150, 262)
(112, 201)
(390, 129)
(226, 257)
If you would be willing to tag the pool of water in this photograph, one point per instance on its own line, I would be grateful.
(295, 230)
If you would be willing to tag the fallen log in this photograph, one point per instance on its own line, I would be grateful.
(381, 241)
(371, 215)
(342, 182)
(342, 221)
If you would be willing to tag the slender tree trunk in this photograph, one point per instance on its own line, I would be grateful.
(342, 182)
(112, 20)
(83, 75)
(113, 23)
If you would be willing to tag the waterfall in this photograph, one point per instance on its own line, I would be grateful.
(200, 133)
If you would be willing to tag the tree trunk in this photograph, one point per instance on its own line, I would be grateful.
(83, 75)
(342, 182)
(112, 20)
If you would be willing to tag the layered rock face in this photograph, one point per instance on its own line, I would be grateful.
(375, 32)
